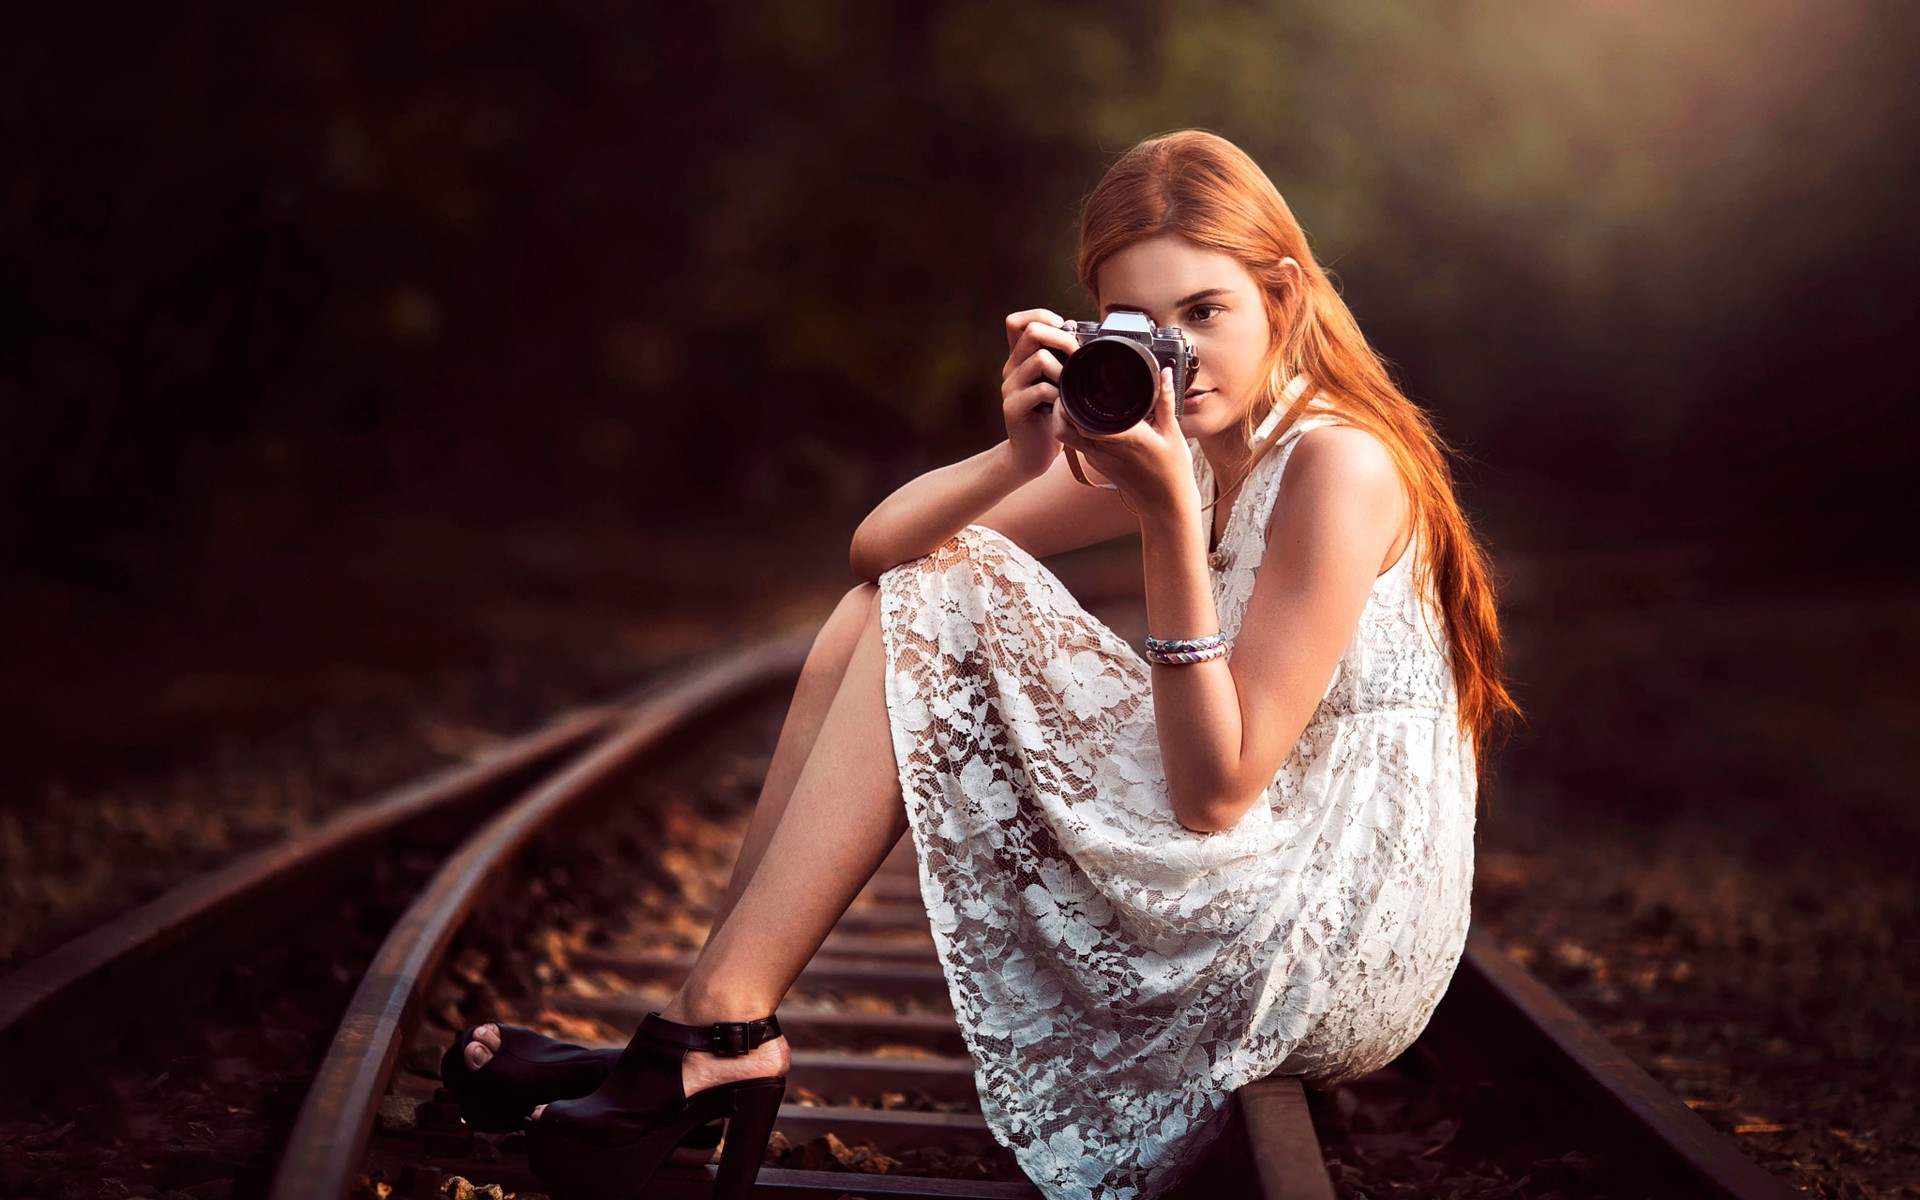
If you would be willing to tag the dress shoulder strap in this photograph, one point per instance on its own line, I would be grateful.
(1266, 486)
(1291, 438)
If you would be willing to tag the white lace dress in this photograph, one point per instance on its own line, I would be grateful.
(1115, 974)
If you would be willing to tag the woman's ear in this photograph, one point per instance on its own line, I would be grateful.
(1293, 282)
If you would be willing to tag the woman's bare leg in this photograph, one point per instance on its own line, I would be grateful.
(844, 815)
(819, 680)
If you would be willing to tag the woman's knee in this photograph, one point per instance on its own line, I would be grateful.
(833, 645)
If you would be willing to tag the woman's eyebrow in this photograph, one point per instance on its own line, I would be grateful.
(1182, 302)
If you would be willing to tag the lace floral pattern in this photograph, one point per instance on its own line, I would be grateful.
(1115, 974)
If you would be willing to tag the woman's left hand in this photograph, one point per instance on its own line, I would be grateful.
(1150, 461)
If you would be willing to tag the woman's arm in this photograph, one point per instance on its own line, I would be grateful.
(1045, 516)
(1227, 724)
(925, 512)
(1021, 485)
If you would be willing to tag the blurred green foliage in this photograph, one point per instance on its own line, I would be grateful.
(278, 264)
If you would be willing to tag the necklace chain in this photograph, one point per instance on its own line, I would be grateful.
(1219, 494)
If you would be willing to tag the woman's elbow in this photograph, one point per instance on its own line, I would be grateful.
(864, 562)
(1214, 815)
(1205, 824)
(870, 562)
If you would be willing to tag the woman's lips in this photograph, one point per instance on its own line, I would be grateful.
(1192, 396)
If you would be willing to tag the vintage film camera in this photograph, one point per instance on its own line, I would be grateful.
(1109, 383)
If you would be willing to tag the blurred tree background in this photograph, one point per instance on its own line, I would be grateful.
(1651, 267)
(275, 272)
(379, 378)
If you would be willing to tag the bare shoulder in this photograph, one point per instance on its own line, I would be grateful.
(1343, 481)
(1342, 454)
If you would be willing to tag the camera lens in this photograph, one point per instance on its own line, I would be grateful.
(1109, 384)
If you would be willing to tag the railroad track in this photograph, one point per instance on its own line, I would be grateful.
(880, 1075)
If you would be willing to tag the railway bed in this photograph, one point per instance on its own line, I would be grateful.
(529, 919)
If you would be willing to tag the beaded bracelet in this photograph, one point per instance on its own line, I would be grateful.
(1180, 652)
(1205, 643)
(1181, 658)
(1201, 643)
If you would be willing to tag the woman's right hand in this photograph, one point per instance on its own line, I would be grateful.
(1030, 387)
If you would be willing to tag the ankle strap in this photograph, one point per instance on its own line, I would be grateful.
(721, 1037)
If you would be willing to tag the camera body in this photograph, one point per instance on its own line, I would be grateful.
(1109, 383)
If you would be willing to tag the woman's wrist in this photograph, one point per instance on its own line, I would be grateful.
(1172, 520)
(1174, 559)
(1181, 652)
(1002, 465)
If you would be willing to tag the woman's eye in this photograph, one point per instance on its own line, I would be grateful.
(1202, 313)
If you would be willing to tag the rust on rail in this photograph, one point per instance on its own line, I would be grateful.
(1495, 1012)
(81, 985)
(330, 1134)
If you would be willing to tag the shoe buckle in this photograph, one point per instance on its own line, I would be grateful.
(734, 1037)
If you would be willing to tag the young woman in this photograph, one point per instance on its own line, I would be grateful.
(1151, 880)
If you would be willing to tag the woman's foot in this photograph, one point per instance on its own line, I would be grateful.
(500, 1104)
(485, 1044)
(497, 1073)
(700, 1070)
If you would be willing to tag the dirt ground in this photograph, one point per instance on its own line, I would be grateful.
(1705, 843)
(153, 742)
(1702, 840)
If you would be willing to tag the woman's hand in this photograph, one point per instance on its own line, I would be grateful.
(1151, 461)
(1030, 387)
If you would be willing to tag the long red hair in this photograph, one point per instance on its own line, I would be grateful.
(1206, 190)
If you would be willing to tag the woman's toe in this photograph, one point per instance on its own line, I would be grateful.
(480, 1050)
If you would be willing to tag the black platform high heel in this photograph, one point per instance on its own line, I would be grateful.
(607, 1146)
(528, 1069)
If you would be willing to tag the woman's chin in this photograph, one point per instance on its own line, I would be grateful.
(1201, 422)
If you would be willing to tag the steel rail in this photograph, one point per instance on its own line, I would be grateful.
(80, 987)
(1495, 1010)
(1523, 1019)
(330, 1135)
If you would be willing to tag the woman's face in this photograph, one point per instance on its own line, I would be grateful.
(1209, 297)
